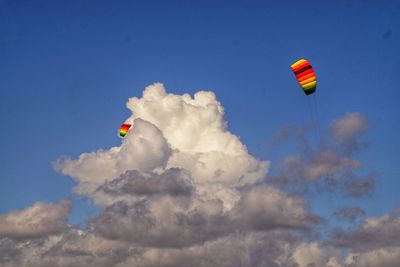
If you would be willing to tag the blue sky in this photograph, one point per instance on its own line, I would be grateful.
(67, 69)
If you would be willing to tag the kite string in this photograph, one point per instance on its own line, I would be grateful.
(312, 112)
(317, 117)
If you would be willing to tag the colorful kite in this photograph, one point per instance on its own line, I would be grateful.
(124, 129)
(305, 76)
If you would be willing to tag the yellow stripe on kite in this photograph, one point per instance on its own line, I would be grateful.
(310, 85)
(309, 80)
(297, 63)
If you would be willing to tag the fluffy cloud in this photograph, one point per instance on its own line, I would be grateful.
(172, 131)
(150, 226)
(72, 248)
(310, 254)
(145, 150)
(371, 234)
(264, 208)
(374, 242)
(389, 257)
(173, 182)
(197, 132)
(181, 190)
(165, 221)
(256, 249)
(331, 165)
(76, 248)
(38, 220)
(349, 127)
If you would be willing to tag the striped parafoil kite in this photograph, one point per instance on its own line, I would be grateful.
(305, 76)
(124, 129)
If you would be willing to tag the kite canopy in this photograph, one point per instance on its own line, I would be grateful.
(305, 76)
(124, 129)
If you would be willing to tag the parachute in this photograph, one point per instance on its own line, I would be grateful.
(305, 76)
(124, 129)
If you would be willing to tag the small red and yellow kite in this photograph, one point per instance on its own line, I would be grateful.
(124, 129)
(305, 76)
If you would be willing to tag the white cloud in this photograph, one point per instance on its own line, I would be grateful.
(331, 165)
(172, 131)
(197, 132)
(264, 208)
(144, 148)
(308, 254)
(384, 257)
(35, 221)
(181, 190)
(270, 249)
(349, 126)
(72, 248)
(372, 233)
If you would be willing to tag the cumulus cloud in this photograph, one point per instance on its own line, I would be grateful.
(171, 222)
(182, 190)
(35, 221)
(264, 208)
(371, 234)
(331, 166)
(373, 242)
(173, 182)
(145, 150)
(72, 248)
(172, 131)
(197, 132)
(150, 226)
(347, 128)
(256, 249)
(77, 248)
(389, 257)
(311, 254)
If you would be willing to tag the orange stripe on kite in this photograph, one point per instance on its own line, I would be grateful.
(306, 76)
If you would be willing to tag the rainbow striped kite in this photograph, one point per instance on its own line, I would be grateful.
(124, 129)
(305, 76)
